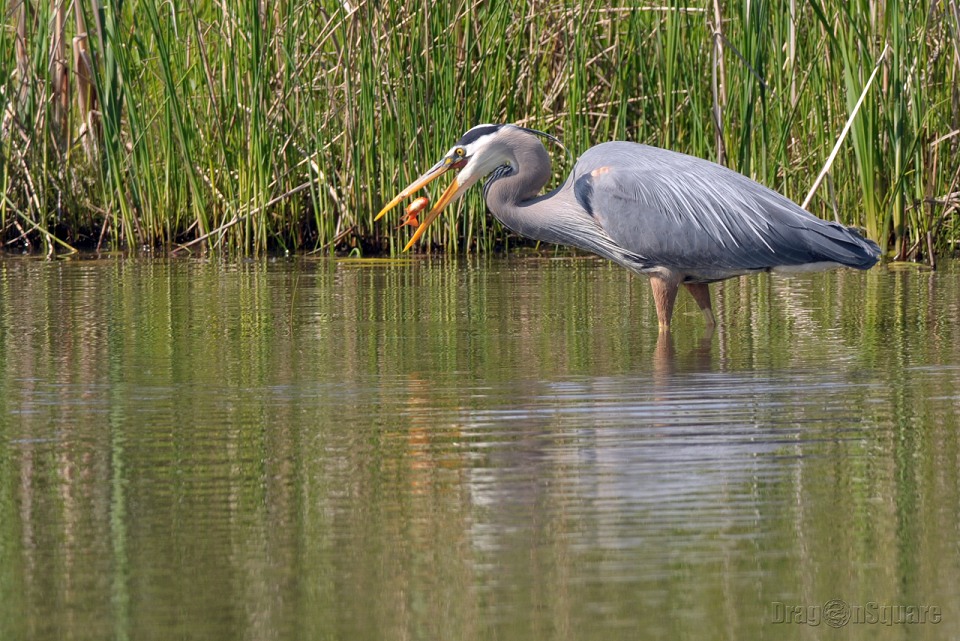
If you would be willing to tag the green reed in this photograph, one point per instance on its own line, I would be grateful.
(246, 127)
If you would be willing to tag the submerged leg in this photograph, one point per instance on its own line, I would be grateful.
(701, 294)
(664, 294)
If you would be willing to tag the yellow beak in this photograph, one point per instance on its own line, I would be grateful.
(448, 195)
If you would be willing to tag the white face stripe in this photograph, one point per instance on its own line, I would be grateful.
(483, 156)
(477, 138)
(477, 145)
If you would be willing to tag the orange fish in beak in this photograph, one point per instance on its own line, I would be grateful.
(453, 161)
(413, 209)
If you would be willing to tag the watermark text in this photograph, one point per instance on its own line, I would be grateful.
(838, 613)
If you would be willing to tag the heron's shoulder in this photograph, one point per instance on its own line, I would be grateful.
(642, 171)
(633, 156)
(630, 170)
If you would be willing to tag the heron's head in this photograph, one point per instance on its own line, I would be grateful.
(476, 154)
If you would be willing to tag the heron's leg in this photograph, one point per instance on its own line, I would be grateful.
(664, 294)
(701, 294)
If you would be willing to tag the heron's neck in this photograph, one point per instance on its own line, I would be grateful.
(528, 217)
(512, 193)
(555, 217)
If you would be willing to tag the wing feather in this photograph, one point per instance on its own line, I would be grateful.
(691, 214)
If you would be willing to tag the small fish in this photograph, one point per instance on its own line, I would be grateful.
(418, 205)
(413, 209)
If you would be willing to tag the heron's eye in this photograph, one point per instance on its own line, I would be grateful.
(459, 151)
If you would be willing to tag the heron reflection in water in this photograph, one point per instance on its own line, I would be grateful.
(677, 219)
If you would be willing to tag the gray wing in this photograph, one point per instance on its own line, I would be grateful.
(694, 215)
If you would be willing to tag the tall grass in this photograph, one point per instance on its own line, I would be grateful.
(246, 126)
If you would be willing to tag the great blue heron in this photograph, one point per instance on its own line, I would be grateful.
(663, 214)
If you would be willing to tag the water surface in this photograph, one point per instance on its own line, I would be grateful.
(471, 449)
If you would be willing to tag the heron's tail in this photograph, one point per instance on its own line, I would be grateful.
(869, 252)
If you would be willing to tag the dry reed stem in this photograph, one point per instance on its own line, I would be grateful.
(60, 75)
(238, 218)
(718, 83)
(90, 130)
(845, 131)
